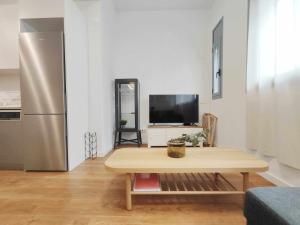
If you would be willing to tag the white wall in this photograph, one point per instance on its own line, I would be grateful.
(41, 8)
(76, 55)
(166, 50)
(231, 109)
(101, 23)
(9, 29)
(107, 25)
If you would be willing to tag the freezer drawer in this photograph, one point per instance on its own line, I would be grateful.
(44, 142)
(42, 73)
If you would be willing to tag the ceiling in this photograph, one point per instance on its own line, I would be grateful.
(8, 2)
(148, 5)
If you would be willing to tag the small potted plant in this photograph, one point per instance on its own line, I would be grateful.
(176, 148)
(196, 138)
(123, 123)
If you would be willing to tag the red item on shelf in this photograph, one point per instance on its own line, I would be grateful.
(146, 182)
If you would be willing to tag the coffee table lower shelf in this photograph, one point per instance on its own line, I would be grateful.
(188, 184)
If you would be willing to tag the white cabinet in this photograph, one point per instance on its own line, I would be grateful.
(160, 135)
(156, 136)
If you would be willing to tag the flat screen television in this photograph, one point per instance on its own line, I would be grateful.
(173, 109)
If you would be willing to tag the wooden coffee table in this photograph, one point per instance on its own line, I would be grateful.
(200, 172)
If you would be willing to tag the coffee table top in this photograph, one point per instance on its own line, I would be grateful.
(155, 160)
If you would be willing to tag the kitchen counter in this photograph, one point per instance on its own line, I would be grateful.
(10, 108)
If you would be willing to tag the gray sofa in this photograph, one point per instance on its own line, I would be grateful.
(272, 206)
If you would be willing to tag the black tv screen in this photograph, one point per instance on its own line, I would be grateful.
(173, 109)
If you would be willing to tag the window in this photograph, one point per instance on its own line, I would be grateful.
(217, 61)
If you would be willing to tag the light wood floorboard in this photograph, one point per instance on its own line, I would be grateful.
(89, 195)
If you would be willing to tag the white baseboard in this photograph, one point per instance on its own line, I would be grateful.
(275, 180)
(103, 154)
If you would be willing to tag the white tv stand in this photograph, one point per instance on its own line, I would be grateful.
(159, 135)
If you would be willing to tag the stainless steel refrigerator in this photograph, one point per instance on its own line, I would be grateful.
(43, 98)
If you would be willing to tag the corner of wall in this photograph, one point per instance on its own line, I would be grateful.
(231, 108)
(76, 63)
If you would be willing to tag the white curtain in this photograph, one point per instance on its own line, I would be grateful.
(273, 79)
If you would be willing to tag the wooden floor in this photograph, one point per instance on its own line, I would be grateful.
(91, 196)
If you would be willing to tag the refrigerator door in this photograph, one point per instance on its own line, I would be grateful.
(44, 142)
(42, 73)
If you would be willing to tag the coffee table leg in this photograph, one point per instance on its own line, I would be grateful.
(245, 181)
(128, 192)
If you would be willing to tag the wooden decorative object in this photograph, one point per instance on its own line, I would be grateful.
(209, 121)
